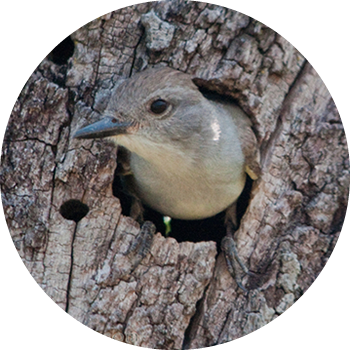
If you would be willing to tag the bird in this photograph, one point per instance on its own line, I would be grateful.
(182, 153)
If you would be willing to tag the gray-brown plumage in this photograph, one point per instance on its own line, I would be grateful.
(184, 155)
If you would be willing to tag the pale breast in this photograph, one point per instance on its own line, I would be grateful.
(187, 194)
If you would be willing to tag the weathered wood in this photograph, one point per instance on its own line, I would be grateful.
(181, 295)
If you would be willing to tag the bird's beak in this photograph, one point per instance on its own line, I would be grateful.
(108, 126)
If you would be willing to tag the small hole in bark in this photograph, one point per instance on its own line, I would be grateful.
(74, 210)
(62, 52)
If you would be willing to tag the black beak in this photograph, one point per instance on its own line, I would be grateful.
(108, 126)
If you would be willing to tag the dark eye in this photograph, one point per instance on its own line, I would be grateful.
(159, 106)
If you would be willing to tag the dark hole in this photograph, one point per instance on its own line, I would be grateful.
(62, 52)
(74, 210)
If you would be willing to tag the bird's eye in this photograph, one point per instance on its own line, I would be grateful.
(159, 106)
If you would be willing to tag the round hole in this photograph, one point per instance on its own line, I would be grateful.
(60, 46)
(74, 210)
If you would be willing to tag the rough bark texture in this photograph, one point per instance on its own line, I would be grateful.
(181, 295)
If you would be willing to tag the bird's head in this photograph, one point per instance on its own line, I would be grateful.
(159, 106)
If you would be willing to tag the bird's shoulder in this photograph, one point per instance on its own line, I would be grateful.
(246, 135)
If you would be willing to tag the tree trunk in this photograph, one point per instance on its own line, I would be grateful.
(68, 227)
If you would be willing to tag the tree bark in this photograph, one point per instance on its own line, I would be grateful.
(181, 294)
